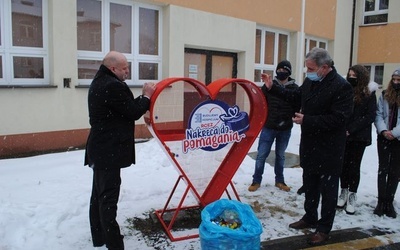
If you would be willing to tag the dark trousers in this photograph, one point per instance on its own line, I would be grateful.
(389, 168)
(353, 154)
(326, 187)
(103, 209)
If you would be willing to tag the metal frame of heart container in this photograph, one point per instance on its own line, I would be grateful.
(223, 176)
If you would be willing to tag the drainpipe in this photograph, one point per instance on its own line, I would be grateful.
(300, 61)
(352, 33)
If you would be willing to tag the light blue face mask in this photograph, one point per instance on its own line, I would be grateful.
(313, 76)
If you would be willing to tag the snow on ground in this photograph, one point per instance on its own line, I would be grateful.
(44, 200)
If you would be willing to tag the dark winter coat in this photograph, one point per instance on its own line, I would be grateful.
(112, 114)
(326, 105)
(280, 112)
(360, 122)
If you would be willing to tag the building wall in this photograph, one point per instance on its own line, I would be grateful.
(341, 44)
(382, 48)
(320, 18)
(208, 31)
(286, 14)
(260, 11)
(56, 118)
(379, 44)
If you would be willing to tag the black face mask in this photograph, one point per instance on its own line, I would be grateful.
(396, 86)
(282, 75)
(353, 81)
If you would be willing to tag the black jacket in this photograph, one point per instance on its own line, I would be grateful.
(112, 114)
(280, 112)
(327, 106)
(360, 122)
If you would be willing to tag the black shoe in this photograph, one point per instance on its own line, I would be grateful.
(380, 208)
(301, 224)
(301, 190)
(389, 210)
(318, 238)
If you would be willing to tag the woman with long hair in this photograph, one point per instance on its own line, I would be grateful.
(358, 131)
(387, 123)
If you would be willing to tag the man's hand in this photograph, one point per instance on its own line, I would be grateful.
(267, 80)
(388, 135)
(148, 89)
(298, 118)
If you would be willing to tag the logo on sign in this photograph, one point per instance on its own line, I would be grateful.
(213, 124)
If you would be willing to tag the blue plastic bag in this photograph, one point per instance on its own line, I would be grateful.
(214, 236)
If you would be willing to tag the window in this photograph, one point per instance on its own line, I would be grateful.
(130, 28)
(210, 65)
(314, 42)
(23, 43)
(271, 48)
(376, 73)
(376, 11)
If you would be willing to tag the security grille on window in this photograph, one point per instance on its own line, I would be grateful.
(376, 11)
(129, 28)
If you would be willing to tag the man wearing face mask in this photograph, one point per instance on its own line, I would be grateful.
(387, 123)
(326, 100)
(277, 128)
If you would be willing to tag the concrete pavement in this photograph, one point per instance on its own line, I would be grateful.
(353, 238)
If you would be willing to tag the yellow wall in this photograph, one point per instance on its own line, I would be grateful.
(320, 18)
(384, 48)
(285, 14)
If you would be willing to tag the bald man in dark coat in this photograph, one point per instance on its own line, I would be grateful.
(113, 111)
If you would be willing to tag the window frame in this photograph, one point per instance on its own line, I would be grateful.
(8, 51)
(318, 41)
(375, 12)
(208, 62)
(134, 58)
(307, 48)
(261, 66)
(372, 72)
